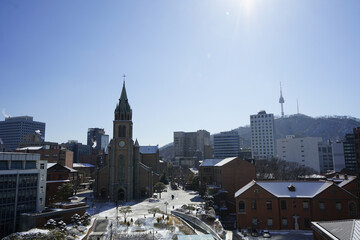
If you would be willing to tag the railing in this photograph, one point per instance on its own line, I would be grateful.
(196, 221)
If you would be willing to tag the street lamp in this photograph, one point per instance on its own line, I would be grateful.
(166, 204)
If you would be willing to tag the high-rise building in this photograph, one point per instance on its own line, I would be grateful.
(191, 144)
(326, 157)
(226, 144)
(304, 151)
(97, 139)
(262, 135)
(357, 148)
(349, 152)
(13, 129)
(337, 156)
(78, 149)
(22, 188)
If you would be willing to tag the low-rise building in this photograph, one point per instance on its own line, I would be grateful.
(333, 230)
(22, 188)
(227, 176)
(52, 153)
(292, 204)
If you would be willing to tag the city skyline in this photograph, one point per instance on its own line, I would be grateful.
(189, 65)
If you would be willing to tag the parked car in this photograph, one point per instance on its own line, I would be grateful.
(266, 234)
(254, 233)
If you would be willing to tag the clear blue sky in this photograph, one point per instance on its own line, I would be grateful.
(204, 64)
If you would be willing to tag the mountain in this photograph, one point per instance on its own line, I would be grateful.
(328, 127)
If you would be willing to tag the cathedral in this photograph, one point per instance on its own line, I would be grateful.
(127, 171)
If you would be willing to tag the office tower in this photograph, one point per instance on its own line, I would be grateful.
(326, 157)
(13, 129)
(337, 156)
(97, 139)
(304, 151)
(191, 144)
(23, 187)
(226, 144)
(78, 149)
(349, 152)
(262, 135)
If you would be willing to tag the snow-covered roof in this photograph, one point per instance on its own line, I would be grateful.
(194, 170)
(50, 165)
(80, 165)
(210, 162)
(225, 161)
(195, 237)
(71, 169)
(148, 149)
(33, 148)
(280, 189)
(58, 181)
(342, 229)
(346, 181)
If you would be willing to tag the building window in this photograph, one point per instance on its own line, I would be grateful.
(241, 206)
(41, 201)
(306, 204)
(269, 222)
(338, 206)
(294, 203)
(283, 204)
(284, 222)
(41, 189)
(42, 166)
(268, 205)
(253, 204)
(46, 156)
(322, 205)
(254, 221)
(352, 209)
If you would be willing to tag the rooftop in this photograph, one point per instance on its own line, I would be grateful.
(210, 162)
(280, 189)
(148, 149)
(342, 229)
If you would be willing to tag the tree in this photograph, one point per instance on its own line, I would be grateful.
(65, 191)
(124, 211)
(159, 187)
(154, 211)
(281, 170)
(164, 179)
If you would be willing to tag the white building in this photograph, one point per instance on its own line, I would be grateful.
(23, 187)
(262, 135)
(304, 151)
(338, 156)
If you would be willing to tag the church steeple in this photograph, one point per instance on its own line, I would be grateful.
(123, 110)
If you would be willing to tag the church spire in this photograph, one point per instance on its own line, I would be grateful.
(123, 110)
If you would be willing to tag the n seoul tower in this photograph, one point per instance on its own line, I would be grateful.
(281, 101)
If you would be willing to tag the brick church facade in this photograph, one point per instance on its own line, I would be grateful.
(122, 176)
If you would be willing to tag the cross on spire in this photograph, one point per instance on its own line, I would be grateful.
(124, 76)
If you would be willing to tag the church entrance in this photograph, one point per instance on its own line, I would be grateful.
(103, 193)
(121, 195)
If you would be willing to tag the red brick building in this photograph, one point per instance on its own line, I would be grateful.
(226, 176)
(52, 154)
(56, 176)
(292, 205)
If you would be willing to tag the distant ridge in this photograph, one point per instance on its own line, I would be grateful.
(327, 127)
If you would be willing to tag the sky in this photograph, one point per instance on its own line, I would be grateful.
(189, 65)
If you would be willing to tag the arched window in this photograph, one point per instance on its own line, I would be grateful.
(352, 209)
(241, 206)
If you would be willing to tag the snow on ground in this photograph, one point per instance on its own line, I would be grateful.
(107, 210)
(34, 230)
